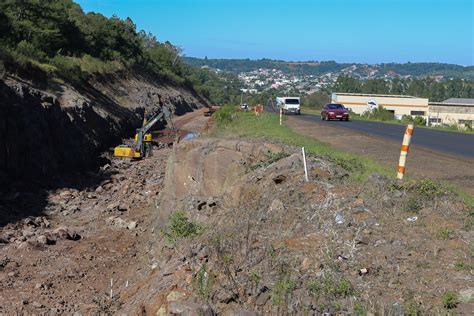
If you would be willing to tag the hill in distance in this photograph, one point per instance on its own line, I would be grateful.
(316, 68)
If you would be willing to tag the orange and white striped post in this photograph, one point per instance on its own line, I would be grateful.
(281, 115)
(404, 151)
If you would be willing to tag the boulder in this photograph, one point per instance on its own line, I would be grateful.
(187, 308)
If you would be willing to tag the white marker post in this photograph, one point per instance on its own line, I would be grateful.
(111, 288)
(404, 151)
(281, 115)
(305, 167)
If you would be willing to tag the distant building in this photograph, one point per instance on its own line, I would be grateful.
(449, 112)
(452, 111)
(399, 105)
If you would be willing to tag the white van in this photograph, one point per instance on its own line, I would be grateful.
(289, 104)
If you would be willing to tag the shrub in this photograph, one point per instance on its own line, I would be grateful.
(379, 114)
(425, 188)
(179, 226)
(282, 289)
(69, 69)
(225, 115)
(413, 204)
(450, 300)
(29, 51)
(202, 282)
(445, 234)
(330, 287)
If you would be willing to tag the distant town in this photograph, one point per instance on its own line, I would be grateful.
(310, 76)
(265, 79)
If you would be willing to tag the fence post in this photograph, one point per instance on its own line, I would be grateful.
(404, 151)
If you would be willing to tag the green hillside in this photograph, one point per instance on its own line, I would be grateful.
(318, 68)
(56, 40)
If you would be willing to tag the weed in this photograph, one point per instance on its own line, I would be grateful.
(423, 265)
(227, 259)
(359, 309)
(330, 287)
(282, 289)
(450, 300)
(254, 277)
(463, 266)
(426, 188)
(445, 234)
(412, 309)
(469, 221)
(179, 226)
(202, 282)
(272, 157)
(413, 205)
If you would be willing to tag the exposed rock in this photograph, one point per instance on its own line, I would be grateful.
(276, 206)
(467, 295)
(174, 296)
(262, 298)
(42, 239)
(186, 308)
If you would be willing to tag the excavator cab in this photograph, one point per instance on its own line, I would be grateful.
(127, 152)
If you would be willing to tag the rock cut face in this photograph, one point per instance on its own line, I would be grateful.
(210, 169)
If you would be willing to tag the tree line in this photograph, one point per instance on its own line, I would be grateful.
(57, 39)
(432, 89)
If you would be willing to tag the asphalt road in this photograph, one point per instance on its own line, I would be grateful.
(458, 144)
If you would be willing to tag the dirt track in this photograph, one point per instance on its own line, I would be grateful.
(421, 162)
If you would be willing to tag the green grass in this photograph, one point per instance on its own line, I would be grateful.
(266, 126)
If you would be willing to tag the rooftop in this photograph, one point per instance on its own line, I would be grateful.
(459, 101)
(378, 95)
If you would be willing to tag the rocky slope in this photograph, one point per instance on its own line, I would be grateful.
(43, 134)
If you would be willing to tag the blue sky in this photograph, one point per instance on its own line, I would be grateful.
(371, 31)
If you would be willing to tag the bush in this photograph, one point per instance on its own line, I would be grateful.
(202, 282)
(180, 226)
(29, 51)
(284, 287)
(380, 114)
(450, 300)
(225, 115)
(69, 69)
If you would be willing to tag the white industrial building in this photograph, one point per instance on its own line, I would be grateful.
(449, 112)
(398, 104)
(452, 111)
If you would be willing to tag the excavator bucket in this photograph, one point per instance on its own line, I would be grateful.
(123, 151)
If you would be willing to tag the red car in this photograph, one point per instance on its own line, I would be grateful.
(335, 111)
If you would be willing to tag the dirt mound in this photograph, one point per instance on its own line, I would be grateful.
(247, 233)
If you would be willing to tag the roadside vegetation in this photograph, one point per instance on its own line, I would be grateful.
(231, 123)
(266, 126)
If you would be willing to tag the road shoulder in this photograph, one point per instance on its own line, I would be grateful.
(421, 162)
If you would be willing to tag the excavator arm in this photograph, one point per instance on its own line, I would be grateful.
(144, 129)
(142, 147)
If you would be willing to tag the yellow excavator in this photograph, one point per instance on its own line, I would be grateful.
(143, 140)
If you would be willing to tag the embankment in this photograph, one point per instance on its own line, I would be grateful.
(47, 133)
